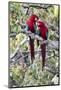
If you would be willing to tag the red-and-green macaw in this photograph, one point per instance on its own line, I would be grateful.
(42, 31)
(30, 23)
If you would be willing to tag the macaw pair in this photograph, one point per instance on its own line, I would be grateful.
(41, 30)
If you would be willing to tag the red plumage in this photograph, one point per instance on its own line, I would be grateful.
(42, 29)
(30, 22)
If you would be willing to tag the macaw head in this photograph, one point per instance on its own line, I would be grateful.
(40, 23)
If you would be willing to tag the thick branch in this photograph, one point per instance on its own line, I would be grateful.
(36, 6)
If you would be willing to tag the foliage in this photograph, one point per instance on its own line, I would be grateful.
(30, 76)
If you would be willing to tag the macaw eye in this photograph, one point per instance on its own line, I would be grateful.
(35, 19)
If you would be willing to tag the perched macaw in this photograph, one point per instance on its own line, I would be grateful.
(31, 23)
(42, 31)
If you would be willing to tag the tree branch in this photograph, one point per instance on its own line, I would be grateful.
(36, 6)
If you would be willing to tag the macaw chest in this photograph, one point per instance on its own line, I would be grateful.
(43, 31)
(30, 24)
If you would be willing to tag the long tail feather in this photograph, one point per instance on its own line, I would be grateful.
(37, 42)
(32, 49)
(43, 51)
